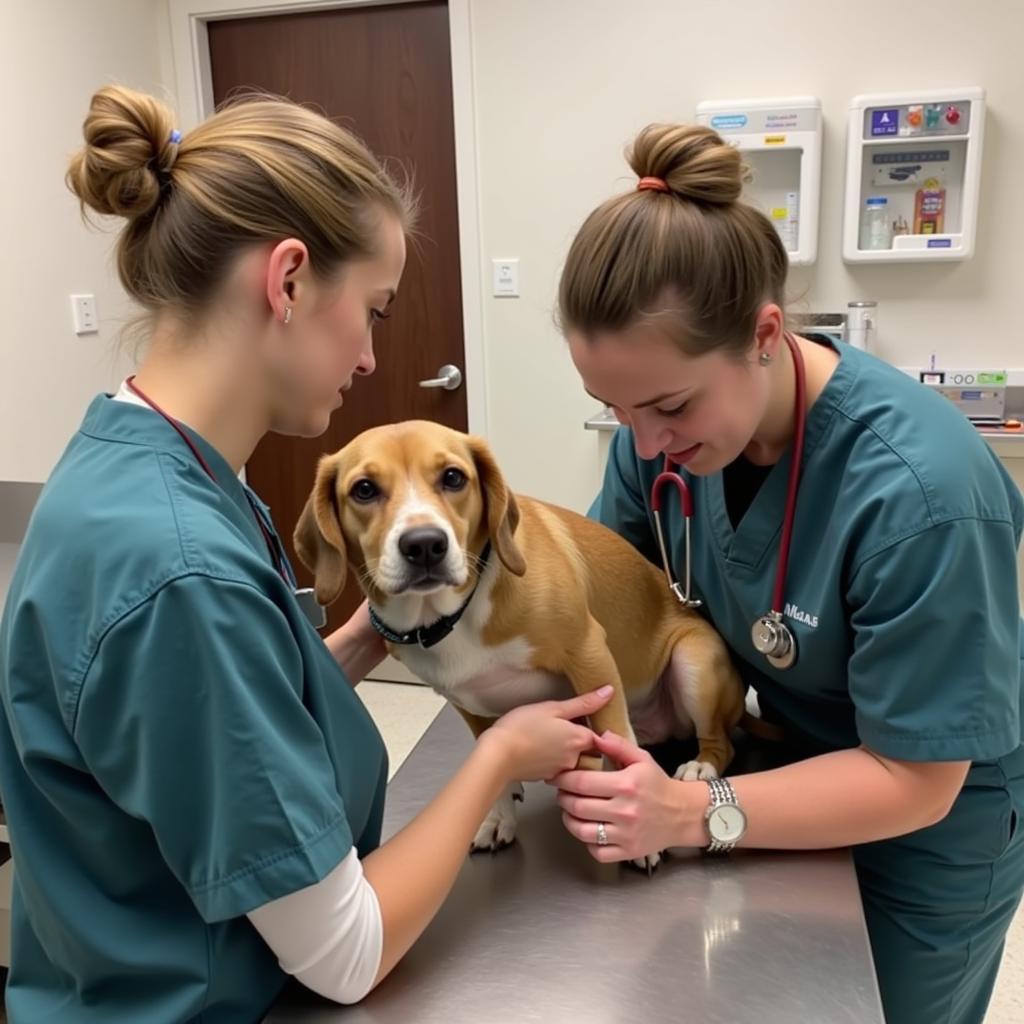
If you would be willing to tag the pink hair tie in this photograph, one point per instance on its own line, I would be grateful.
(652, 184)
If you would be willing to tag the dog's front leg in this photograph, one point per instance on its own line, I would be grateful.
(590, 665)
(499, 827)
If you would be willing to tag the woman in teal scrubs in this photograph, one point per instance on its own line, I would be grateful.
(193, 791)
(903, 707)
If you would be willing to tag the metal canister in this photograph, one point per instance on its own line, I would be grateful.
(861, 323)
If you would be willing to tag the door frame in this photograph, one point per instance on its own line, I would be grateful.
(194, 82)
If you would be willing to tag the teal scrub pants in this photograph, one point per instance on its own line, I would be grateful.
(938, 905)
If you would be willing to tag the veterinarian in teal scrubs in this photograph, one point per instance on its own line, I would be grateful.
(194, 793)
(903, 708)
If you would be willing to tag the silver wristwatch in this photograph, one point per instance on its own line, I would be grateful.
(725, 820)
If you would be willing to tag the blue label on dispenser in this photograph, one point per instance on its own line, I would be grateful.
(940, 243)
(885, 122)
(728, 120)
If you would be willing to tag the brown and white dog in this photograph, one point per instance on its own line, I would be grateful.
(551, 603)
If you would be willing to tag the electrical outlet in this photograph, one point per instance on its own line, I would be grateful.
(83, 314)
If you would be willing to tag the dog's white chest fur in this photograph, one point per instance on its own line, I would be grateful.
(486, 681)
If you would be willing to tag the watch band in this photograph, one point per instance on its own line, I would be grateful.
(720, 792)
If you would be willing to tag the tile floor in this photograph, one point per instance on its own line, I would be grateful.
(403, 712)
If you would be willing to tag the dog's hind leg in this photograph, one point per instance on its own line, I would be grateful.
(705, 689)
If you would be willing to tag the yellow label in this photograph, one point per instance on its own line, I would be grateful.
(779, 213)
(774, 140)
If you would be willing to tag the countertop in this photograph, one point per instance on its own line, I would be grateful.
(541, 933)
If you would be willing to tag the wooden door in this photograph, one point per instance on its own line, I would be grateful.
(385, 73)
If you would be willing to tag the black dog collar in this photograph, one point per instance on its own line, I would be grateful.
(428, 636)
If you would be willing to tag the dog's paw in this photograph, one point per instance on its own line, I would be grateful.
(497, 831)
(590, 763)
(499, 827)
(518, 793)
(696, 771)
(646, 864)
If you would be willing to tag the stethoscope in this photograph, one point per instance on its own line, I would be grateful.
(305, 596)
(771, 636)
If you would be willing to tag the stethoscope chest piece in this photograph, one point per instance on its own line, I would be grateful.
(774, 639)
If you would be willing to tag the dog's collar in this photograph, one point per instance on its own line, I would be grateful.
(428, 636)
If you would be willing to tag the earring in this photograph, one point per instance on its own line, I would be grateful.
(287, 314)
(764, 358)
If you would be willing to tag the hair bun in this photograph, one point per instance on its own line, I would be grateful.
(127, 138)
(691, 159)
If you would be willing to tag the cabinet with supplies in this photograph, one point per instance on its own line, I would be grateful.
(913, 171)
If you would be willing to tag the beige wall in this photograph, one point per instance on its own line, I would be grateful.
(53, 55)
(561, 87)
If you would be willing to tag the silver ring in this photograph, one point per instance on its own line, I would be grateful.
(602, 834)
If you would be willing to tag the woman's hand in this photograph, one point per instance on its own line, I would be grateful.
(357, 647)
(644, 811)
(539, 741)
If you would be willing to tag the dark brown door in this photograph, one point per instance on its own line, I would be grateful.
(384, 72)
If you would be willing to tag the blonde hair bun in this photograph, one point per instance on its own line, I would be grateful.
(127, 148)
(692, 160)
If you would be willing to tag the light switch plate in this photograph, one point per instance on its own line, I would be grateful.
(506, 278)
(83, 314)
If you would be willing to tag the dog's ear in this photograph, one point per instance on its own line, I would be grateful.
(317, 537)
(501, 512)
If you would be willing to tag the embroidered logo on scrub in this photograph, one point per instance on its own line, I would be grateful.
(798, 615)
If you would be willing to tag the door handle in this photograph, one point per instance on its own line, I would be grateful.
(448, 377)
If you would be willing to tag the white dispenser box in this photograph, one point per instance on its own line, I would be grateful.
(913, 172)
(780, 139)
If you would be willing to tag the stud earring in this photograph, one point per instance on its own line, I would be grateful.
(765, 358)
(287, 314)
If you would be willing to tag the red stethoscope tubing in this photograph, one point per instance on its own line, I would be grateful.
(668, 476)
(135, 389)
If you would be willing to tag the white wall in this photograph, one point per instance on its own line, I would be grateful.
(53, 55)
(562, 87)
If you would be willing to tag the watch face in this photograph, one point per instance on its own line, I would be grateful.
(726, 824)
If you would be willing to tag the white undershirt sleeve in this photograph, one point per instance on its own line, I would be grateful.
(328, 936)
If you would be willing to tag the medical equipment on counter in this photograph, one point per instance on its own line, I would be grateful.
(771, 636)
(305, 596)
(979, 394)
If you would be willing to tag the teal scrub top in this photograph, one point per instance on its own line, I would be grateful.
(177, 745)
(902, 582)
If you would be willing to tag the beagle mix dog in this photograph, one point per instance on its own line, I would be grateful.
(498, 600)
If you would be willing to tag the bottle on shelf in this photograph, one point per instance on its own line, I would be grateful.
(876, 229)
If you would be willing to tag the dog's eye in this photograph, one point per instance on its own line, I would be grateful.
(453, 480)
(364, 490)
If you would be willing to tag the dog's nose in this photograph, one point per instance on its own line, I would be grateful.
(424, 546)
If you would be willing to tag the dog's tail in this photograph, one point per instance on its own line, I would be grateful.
(760, 728)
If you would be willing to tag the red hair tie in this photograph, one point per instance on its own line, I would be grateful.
(652, 184)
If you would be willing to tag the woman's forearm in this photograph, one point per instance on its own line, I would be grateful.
(413, 872)
(839, 799)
